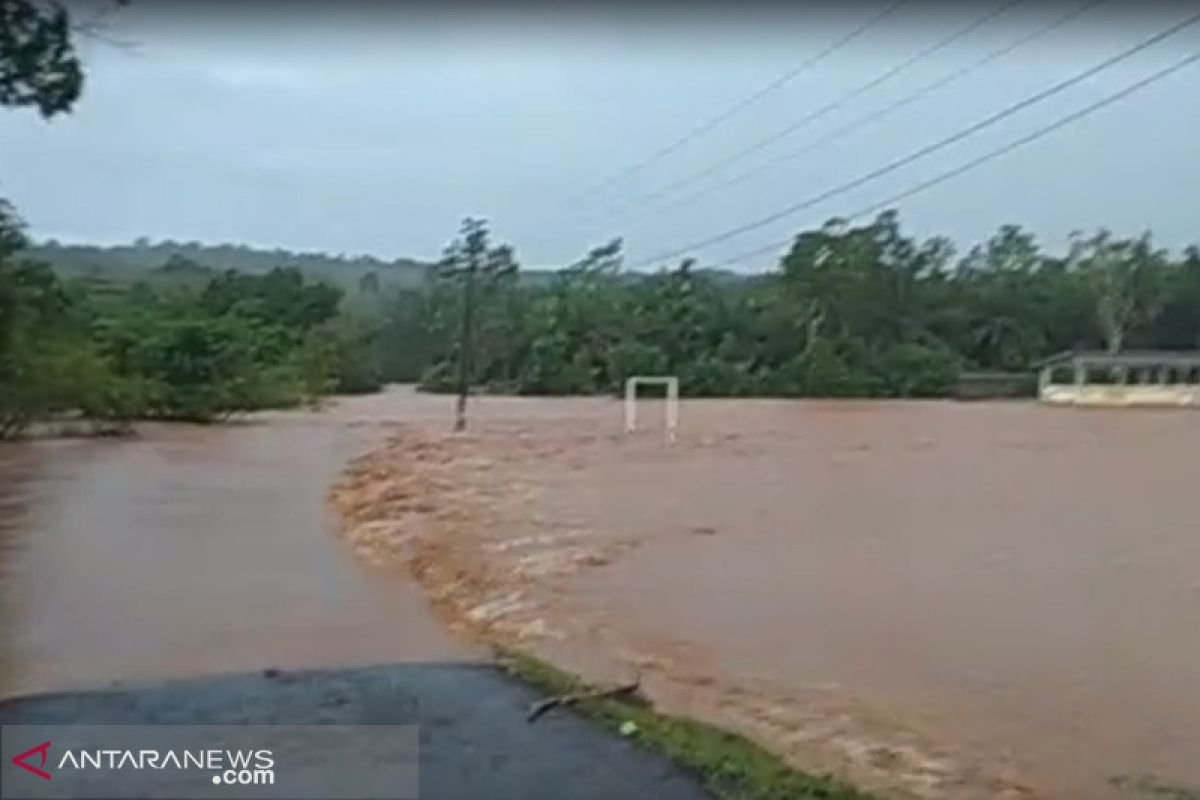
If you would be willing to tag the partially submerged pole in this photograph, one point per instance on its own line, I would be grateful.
(465, 347)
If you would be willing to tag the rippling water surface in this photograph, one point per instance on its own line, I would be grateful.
(189, 550)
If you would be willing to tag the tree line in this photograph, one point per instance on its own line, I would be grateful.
(128, 262)
(115, 353)
(198, 346)
(849, 311)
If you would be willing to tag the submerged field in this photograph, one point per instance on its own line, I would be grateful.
(933, 599)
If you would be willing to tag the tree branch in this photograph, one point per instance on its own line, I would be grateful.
(541, 707)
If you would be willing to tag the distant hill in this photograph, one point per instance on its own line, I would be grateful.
(193, 263)
(187, 261)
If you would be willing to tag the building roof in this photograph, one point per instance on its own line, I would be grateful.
(1125, 358)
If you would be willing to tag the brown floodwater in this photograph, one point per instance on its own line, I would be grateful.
(958, 600)
(1019, 583)
(947, 599)
(189, 550)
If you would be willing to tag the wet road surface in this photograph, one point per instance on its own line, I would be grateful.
(474, 740)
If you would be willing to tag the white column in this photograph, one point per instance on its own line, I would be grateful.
(630, 404)
(672, 408)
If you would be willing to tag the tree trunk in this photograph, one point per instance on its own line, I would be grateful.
(1116, 338)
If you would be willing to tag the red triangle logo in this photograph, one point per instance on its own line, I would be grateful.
(41, 749)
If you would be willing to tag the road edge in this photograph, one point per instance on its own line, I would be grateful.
(727, 764)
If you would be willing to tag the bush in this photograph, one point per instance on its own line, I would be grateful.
(823, 371)
(711, 376)
(59, 376)
(913, 370)
(630, 357)
(441, 377)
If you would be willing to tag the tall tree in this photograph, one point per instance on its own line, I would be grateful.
(481, 269)
(1124, 276)
(38, 68)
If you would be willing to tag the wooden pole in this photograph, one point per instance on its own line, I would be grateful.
(465, 346)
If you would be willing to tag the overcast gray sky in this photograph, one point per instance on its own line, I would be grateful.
(372, 129)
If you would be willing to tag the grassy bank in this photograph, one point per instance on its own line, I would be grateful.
(729, 765)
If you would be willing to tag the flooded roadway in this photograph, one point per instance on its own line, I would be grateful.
(191, 550)
(951, 600)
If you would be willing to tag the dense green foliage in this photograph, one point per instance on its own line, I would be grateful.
(38, 64)
(114, 353)
(849, 312)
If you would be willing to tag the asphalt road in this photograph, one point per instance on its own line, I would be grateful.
(475, 741)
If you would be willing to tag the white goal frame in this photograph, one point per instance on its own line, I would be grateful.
(631, 387)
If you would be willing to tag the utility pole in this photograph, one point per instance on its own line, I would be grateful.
(465, 343)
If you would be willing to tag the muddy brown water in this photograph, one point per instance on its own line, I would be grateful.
(1020, 583)
(1017, 586)
(958, 600)
(190, 550)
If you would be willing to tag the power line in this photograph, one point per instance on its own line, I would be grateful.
(989, 156)
(931, 148)
(896, 105)
(741, 105)
(834, 105)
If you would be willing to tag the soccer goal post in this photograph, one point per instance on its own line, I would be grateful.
(672, 405)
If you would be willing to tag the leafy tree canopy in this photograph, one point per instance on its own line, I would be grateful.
(39, 67)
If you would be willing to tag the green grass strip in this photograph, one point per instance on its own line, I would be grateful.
(728, 765)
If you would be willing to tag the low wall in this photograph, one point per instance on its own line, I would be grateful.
(995, 385)
(1122, 395)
